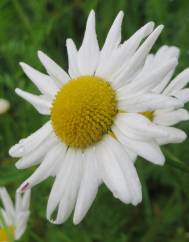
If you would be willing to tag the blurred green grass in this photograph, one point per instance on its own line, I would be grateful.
(27, 26)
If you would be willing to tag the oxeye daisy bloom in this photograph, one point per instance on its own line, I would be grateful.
(14, 217)
(4, 106)
(99, 119)
(165, 118)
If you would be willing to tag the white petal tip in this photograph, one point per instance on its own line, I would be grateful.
(91, 15)
(121, 14)
(184, 136)
(16, 150)
(150, 26)
(92, 11)
(158, 30)
(25, 67)
(55, 221)
(69, 41)
(161, 162)
(22, 64)
(12, 151)
(17, 90)
(18, 166)
(76, 220)
(40, 54)
(160, 27)
(186, 116)
(151, 23)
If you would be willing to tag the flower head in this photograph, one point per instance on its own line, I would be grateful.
(101, 117)
(14, 217)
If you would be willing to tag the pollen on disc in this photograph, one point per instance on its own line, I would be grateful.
(83, 111)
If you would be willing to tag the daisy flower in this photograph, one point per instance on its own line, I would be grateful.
(99, 119)
(14, 217)
(165, 118)
(4, 106)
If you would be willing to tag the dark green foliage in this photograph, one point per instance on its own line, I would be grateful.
(25, 27)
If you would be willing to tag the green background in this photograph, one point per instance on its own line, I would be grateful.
(27, 26)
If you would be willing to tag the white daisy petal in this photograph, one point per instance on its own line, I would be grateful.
(88, 188)
(128, 48)
(35, 157)
(6, 217)
(72, 59)
(54, 70)
(38, 102)
(128, 170)
(111, 172)
(123, 54)
(163, 55)
(88, 54)
(175, 136)
(69, 196)
(112, 41)
(65, 188)
(31, 142)
(47, 165)
(177, 83)
(148, 102)
(160, 87)
(25, 200)
(138, 58)
(22, 213)
(7, 202)
(148, 150)
(21, 224)
(183, 95)
(170, 117)
(113, 38)
(147, 82)
(139, 124)
(43, 82)
(132, 155)
(134, 41)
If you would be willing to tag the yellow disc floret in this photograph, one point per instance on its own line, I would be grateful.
(83, 111)
(6, 234)
(149, 115)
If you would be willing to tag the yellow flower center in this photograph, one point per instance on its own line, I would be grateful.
(83, 111)
(149, 115)
(5, 234)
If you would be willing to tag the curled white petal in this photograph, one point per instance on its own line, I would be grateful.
(35, 157)
(31, 142)
(51, 159)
